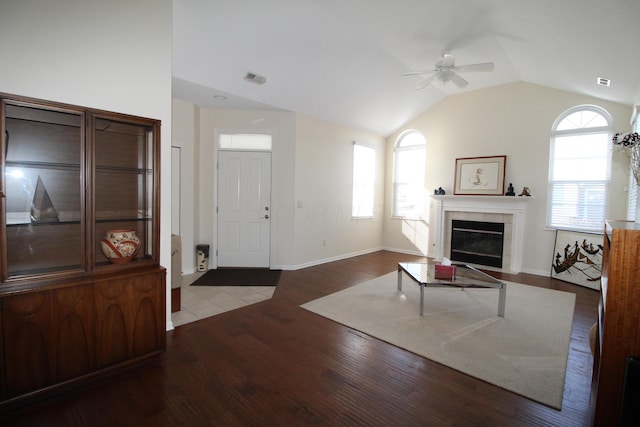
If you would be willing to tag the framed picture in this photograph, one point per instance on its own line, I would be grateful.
(577, 258)
(480, 175)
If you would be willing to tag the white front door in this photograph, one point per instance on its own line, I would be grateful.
(244, 208)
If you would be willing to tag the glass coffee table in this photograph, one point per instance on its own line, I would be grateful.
(423, 274)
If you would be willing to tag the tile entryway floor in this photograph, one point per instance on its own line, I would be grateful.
(198, 302)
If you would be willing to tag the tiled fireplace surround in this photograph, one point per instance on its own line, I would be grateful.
(509, 210)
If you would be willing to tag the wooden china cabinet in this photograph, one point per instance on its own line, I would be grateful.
(615, 386)
(67, 314)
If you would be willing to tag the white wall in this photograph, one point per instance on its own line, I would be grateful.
(513, 120)
(324, 229)
(114, 56)
(185, 117)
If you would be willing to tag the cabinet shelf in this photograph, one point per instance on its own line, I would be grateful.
(74, 167)
(43, 165)
(66, 222)
(41, 223)
(123, 169)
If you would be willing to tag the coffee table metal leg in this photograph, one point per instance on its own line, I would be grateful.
(502, 300)
(421, 299)
(399, 279)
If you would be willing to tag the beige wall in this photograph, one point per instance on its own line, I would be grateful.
(115, 58)
(513, 120)
(324, 229)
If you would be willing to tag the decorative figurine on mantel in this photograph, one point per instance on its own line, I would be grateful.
(510, 190)
(439, 191)
(525, 192)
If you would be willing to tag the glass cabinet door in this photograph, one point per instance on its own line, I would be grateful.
(70, 178)
(43, 178)
(123, 156)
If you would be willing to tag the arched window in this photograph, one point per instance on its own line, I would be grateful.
(579, 169)
(408, 175)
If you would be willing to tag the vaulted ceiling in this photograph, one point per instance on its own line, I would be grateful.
(343, 60)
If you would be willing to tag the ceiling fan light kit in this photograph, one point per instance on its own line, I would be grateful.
(446, 70)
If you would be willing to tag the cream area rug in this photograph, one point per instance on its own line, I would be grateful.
(524, 352)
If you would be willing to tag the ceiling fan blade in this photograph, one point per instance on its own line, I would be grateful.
(485, 66)
(426, 82)
(459, 81)
(418, 73)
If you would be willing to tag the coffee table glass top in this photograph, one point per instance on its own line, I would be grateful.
(466, 276)
(423, 274)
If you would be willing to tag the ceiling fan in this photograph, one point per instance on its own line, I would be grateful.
(446, 70)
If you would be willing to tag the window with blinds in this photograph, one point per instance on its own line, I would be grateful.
(579, 170)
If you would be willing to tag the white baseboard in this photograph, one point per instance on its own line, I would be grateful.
(189, 271)
(537, 272)
(405, 251)
(325, 260)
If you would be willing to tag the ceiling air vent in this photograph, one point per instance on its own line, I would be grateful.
(603, 81)
(255, 78)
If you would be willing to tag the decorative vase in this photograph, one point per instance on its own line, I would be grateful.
(120, 246)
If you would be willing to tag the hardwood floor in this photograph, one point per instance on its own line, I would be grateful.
(275, 364)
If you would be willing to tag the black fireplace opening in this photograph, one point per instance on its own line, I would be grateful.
(477, 242)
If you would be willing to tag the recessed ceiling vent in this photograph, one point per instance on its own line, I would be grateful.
(255, 78)
(603, 81)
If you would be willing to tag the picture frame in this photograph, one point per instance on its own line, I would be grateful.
(480, 176)
(577, 258)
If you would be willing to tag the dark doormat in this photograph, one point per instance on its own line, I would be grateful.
(239, 277)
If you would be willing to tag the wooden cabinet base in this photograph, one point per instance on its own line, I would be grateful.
(57, 336)
(175, 300)
(76, 383)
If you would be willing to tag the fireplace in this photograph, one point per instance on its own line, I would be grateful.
(477, 242)
(511, 211)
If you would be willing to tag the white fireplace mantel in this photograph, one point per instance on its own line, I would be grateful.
(508, 205)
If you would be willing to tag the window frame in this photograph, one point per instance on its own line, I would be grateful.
(359, 182)
(582, 186)
(419, 184)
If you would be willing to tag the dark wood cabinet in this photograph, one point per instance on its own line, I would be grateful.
(618, 319)
(38, 336)
(70, 174)
(129, 318)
